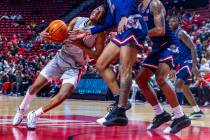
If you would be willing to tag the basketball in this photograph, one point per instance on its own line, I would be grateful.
(58, 30)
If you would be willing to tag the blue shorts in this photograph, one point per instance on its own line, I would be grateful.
(135, 35)
(131, 37)
(156, 57)
(184, 72)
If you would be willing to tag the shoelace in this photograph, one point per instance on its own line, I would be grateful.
(20, 111)
(110, 107)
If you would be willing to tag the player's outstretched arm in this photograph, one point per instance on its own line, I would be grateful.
(99, 45)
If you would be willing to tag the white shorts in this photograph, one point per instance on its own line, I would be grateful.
(58, 69)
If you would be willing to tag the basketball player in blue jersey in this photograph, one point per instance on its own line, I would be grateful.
(132, 31)
(160, 62)
(186, 58)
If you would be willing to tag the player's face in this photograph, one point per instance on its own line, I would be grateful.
(97, 14)
(173, 23)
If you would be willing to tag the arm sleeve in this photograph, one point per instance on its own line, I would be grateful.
(108, 23)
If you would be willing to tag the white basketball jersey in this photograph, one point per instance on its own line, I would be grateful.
(72, 54)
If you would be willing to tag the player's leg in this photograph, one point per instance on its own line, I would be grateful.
(64, 93)
(142, 79)
(103, 62)
(39, 83)
(181, 121)
(49, 71)
(190, 98)
(182, 76)
(127, 58)
(109, 54)
(198, 113)
(70, 81)
(161, 79)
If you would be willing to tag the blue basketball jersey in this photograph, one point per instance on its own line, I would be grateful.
(158, 42)
(118, 9)
(184, 53)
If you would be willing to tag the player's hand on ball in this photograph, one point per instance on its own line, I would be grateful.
(45, 36)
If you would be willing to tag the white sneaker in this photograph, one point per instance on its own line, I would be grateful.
(18, 116)
(103, 119)
(32, 118)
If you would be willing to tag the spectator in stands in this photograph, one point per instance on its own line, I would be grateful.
(208, 53)
(205, 65)
(13, 17)
(19, 18)
(14, 39)
(41, 26)
(199, 48)
(28, 45)
(33, 25)
(5, 16)
(1, 40)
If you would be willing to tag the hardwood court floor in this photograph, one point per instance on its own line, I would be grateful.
(75, 120)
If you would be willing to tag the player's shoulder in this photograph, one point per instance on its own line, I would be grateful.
(181, 31)
(82, 18)
(156, 5)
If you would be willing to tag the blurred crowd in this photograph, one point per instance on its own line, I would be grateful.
(22, 59)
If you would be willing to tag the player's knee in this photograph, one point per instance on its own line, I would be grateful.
(178, 87)
(142, 81)
(34, 88)
(63, 95)
(100, 66)
(66, 92)
(160, 80)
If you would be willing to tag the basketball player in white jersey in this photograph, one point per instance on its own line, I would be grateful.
(68, 65)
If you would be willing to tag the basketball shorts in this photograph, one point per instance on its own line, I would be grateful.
(135, 35)
(156, 57)
(184, 72)
(57, 69)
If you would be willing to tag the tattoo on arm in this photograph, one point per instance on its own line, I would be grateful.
(159, 19)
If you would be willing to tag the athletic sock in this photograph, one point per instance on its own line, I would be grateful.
(27, 99)
(39, 112)
(196, 108)
(158, 109)
(178, 112)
